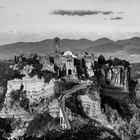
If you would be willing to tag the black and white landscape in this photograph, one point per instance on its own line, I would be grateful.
(69, 70)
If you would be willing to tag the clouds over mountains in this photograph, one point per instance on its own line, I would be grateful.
(116, 18)
(80, 12)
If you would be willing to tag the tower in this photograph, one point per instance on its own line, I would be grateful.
(56, 45)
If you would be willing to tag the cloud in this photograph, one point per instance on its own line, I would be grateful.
(116, 18)
(106, 12)
(120, 12)
(2, 6)
(18, 14)
(80, 12)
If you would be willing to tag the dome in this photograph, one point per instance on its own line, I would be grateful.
(68, 53)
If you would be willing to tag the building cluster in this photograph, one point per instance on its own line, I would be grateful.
(70, 63)
(67, 64)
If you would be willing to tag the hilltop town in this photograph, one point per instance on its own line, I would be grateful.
(70, 88)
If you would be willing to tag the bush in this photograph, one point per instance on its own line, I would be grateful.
(5, 128)
(24, 103)
(86, 132)
(75, 105)
(101, 60)
(123, 109)
(126, 129)
(39, 124)
(15, 97)
(20, 97)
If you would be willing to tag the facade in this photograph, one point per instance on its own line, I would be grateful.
(66, 60)
(65, 63)
(69, 63)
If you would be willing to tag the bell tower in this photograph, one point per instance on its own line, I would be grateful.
(56, 45)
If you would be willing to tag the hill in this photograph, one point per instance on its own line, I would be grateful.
(128, 47)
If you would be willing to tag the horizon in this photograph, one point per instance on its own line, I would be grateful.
(92, 19)
(130, 53)
(36, 41)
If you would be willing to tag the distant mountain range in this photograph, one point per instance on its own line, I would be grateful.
(121, 48)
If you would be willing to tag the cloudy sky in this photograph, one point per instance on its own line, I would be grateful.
(33, 20)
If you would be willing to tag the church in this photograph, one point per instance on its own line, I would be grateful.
(67, 61)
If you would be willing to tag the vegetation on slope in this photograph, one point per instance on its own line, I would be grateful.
(5, 128)
(4, 76)
(87, 132)
(19, 96)
(127, 130)
(122, 115)
(41, 124)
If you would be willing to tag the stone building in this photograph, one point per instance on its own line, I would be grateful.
(69, 63)
(66, 60)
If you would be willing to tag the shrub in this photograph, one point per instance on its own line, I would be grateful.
(20, 97)
(101, 60)
(86, 132)
(38, 124)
